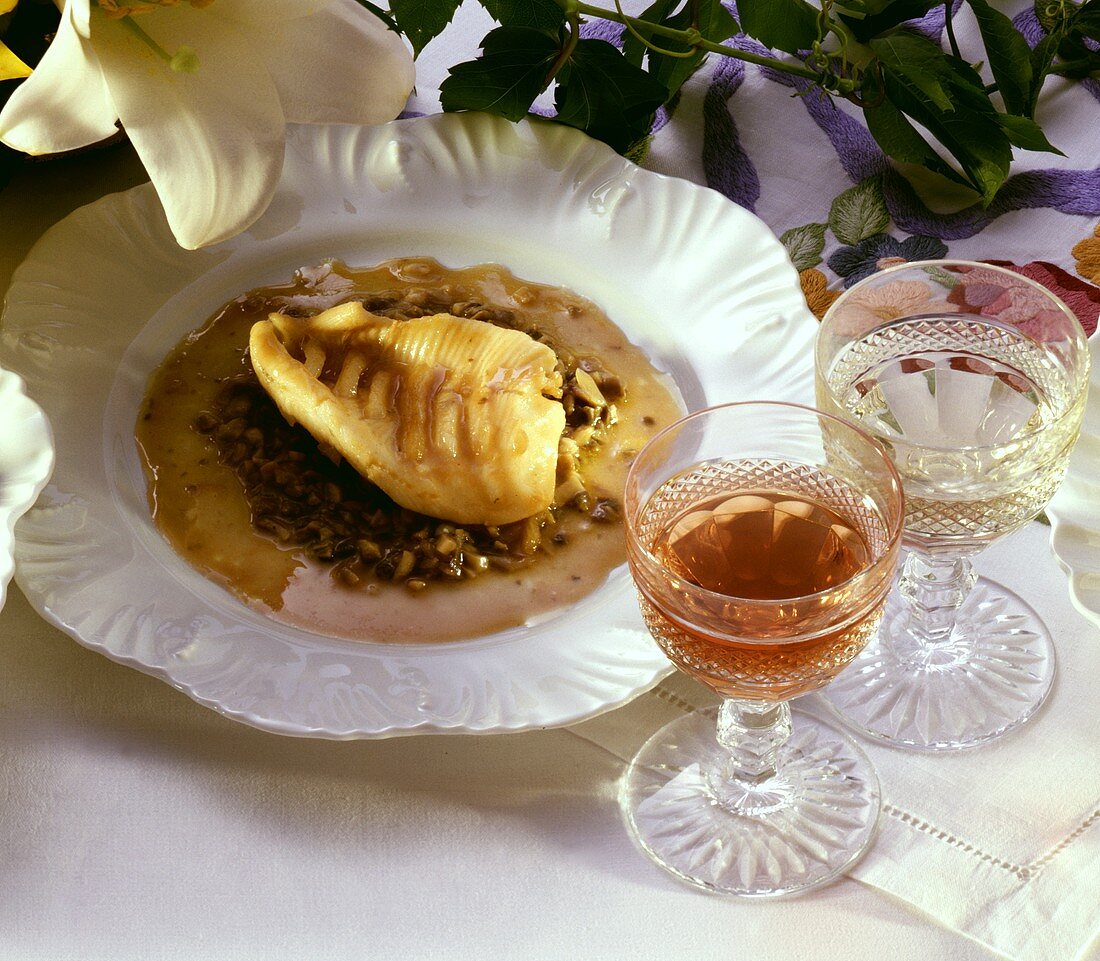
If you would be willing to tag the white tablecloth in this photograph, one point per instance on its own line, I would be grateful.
(136, 825)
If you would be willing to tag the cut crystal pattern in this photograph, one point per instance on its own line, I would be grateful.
(987, 677)
(811, 821)
(773, 671)
(774, 668)
(977, 418)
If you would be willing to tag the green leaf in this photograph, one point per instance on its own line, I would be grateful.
(1072, 46)
(869, 18)
(544, 15)
(1026, 133)
(917, 63)
(1009, 56)
(715, 24)
(422, 20)
(383, 15)
(804, 245)
(633, 48)
(899, 139)
(1054, 16)
(970, 131)
(506, 78)
(1042, 56)
(789, 25)
(610, 99)
(861, 8)
(1087, 20)
(860, 212)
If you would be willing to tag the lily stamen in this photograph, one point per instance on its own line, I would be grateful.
(184, 60)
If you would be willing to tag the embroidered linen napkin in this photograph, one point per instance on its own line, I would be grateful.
(1002, 842)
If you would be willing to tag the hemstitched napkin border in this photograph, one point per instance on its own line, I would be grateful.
(1039, 911)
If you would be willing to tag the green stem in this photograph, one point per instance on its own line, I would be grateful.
(138, 32)
(1068, 66)
(573, 19)
(693, 38)
(948, 12)
(383, 15)
(649, 44)
(184, 60)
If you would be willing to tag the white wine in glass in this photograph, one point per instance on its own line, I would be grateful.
(974, 379)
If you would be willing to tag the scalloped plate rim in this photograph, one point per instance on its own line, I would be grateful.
(31, 433)
(783, 290)
(290, 730)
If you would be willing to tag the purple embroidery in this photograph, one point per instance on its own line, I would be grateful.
(911, 214)
(1028, 24)
(603, 30)
(861, 260)
(1067, 191)
(727, 167)
(931, 25)
(856, 149)
(664, 114)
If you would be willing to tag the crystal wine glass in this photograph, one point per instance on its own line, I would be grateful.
(763, 540)
(974, 379)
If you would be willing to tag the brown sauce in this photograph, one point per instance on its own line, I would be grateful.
(199, 504)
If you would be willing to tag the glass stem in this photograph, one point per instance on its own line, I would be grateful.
(753, 732)
(934, 588)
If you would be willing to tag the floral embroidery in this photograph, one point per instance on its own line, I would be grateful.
(992, 294)
(901, 298)
(1080, 297)
(815, 288)
(1086, 255)
(881, 250)
(866, 309)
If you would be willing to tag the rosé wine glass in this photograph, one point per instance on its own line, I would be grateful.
(974, 379)
(763, 539)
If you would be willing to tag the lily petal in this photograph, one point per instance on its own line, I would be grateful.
(64, 104)
(339, 66)
(81, 12)
(266, 11)
(11, 67)
(212, 141)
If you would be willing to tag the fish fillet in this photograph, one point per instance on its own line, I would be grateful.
(451, 417)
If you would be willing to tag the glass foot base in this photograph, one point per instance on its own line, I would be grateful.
(988, 677)
(798, 830)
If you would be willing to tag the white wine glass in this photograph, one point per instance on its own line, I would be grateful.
(763, 539)
(974, 378)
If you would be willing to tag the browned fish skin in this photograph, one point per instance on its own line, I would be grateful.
(449, 416)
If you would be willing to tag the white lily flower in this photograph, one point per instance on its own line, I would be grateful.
(204, 92)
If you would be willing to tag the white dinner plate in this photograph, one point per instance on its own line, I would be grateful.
(702, 285)
(26, 459)
(1075, 510)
